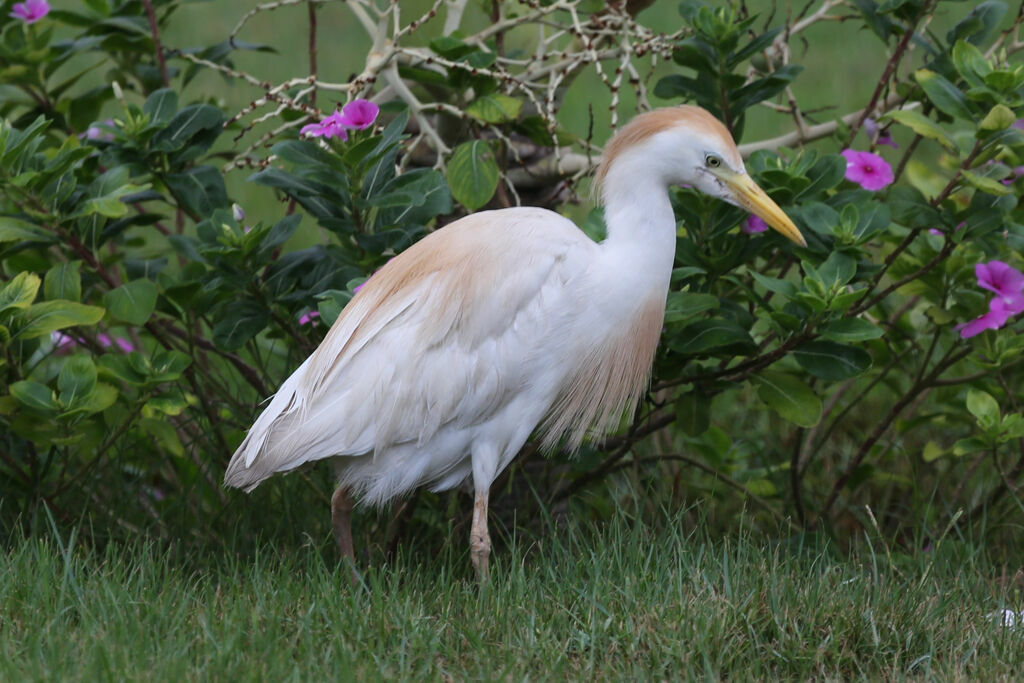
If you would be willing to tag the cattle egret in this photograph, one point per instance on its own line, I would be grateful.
(499, 324)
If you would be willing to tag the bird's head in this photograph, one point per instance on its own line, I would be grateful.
(688, 146)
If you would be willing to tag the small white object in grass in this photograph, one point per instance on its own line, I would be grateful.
(1008, 618)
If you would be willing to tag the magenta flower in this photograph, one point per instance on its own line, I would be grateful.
(1008, 285)
(868, 170)
(754, 225)
(331, 127)
(100, 131)
(357, 115)
(998, 313)
(309, 318)
(1001, 278)
(360, 114)
(30, 11)
(63, 342)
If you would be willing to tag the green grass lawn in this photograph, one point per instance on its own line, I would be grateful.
(620, 601)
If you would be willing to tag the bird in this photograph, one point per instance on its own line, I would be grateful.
(499, 326)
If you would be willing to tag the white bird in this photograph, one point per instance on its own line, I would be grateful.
(498, 325)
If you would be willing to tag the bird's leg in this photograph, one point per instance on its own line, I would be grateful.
(479, 539)
(341, 516)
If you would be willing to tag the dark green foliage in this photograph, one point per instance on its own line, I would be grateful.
(143, 320)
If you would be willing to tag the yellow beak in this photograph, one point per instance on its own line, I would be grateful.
(752, 198)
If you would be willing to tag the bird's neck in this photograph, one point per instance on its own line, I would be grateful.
(641, 225)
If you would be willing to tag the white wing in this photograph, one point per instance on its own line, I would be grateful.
(441, 338)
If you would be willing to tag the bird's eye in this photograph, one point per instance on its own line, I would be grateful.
(712, 161)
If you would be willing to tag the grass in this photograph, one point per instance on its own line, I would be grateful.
(621, 601)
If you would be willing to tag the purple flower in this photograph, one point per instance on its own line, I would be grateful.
(998, 313)
(1001, 278)
(1008, 284)
(238, 213)
(868, 170)
(935, 231)
(30, 11)
(360, 114)
(1018, 124)
(754, 225)
(63, 342)
(100, 131)
(331, 127)
(106, 342)
(357, 115)
(309, 318)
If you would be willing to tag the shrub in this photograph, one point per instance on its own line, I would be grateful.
(143, 317)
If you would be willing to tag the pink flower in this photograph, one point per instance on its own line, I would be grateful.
(998, 313)
(30, 11)
(331, 127)
(63, 342)
(1001, 278)
(106, 342)
(100, 131)
(360, 114)
(868, 170)
(754, 225)
(309, 318)
(1008, 284)
(357, 115)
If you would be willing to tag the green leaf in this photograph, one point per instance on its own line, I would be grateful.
(831, 361)
(971, 445)
(200, 190)
(932, 451)
(164, 434)
(133, 302)
(693, 412)
(789, 397)
(120, 367)
(998, 118)
(923, 127)
(774, 284)
(161, 105)
(684, 305)
(850, 330)
(35, 396)
(986, 184)
(714, 335)
(983, 407)
(971, 63)
(185, 125)
(101, 398)
(76, 380)
(167, 366)
(240, 323)
(494, 108)
(63, 281)
(473, 174)
(49, 316)
(14, 230)
(20, 292)
(837, 270)
(943, 94)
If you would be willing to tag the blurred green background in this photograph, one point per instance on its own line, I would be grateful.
(842, 64)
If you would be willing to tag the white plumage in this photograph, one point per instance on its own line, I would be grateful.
(501, 323)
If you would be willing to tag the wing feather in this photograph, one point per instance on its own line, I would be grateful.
(439, 337)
